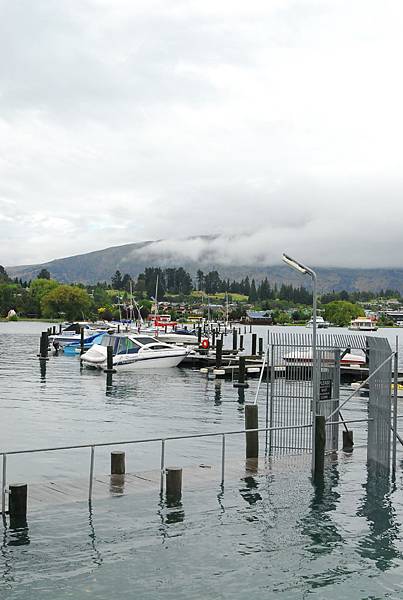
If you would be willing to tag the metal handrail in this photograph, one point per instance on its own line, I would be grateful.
(163, 441)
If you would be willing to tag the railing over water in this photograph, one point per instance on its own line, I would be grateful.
(162, 441)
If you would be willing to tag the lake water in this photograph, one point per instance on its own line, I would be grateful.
(269, 536)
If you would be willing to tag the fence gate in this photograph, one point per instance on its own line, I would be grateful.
(379, 405)
(290, 391)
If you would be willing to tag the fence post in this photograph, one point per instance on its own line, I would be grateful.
(173, 482)
(320, 445)
(252, 437)
(17, 503)
(118, 462)
(348, 441)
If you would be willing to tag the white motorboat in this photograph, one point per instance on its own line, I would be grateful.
(72, 333)
(303, 358)
(363, 324)
(320, 323)
(133, 351)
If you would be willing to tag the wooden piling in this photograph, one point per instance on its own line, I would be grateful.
(54, 330)
(60, 328)
(118, 327)
(320, 445)
(43, 346)
(241, 373)
(109, 361)
(173, 482)
(199, 335)
(17, 503)
(260, 346)
(252, 437)
(234, 339)
(81, 340)
(118, 462)
(241, 342)
(348, 441)
(218, 354)
(254, 339)
(213, 336)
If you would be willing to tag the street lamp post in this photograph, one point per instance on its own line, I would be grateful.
(301, 268)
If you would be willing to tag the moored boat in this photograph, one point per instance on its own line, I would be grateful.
(72, 333)
(133, 351)
(320, 323)
(363, 324)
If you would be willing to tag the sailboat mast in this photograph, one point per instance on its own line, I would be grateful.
(156, 298)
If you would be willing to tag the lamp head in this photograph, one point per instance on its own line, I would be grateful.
(291, 262)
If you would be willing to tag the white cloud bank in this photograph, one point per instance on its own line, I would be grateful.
(277, 122)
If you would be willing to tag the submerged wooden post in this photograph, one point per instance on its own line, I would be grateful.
(260, 346)
(118, 466)
(254, 338)
(82, 340)
(241, 373)
(17, 503)
(218, 354)
(173, 483)
(348, 440)
(43, 346)
(234, 339)
(320, 445)
(109, 361)
(252, 437)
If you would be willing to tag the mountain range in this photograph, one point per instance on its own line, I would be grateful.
(100, 265)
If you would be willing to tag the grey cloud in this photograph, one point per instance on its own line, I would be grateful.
(271, 126)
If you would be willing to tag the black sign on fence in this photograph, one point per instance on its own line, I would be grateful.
(325, 389)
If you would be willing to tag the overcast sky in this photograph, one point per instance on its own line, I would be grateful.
(279, 121)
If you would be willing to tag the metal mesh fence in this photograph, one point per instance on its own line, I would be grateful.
(379, 404)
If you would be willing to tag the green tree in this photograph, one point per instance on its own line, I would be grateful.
(117, 280)
(69, 300)
(341, 312)
(43, 274)
(4, 278)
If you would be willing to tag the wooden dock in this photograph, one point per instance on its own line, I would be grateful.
(62, 491)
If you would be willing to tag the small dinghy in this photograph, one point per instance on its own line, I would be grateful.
(133, 351)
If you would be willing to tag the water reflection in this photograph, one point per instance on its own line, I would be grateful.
(97, 556)
(18, 532)
(241, 395)
(42, 368)
(217, 393)
(376, 507)
(317, 524)
(7, 571)
(117, 484)
(171, 512)
(249, 492)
